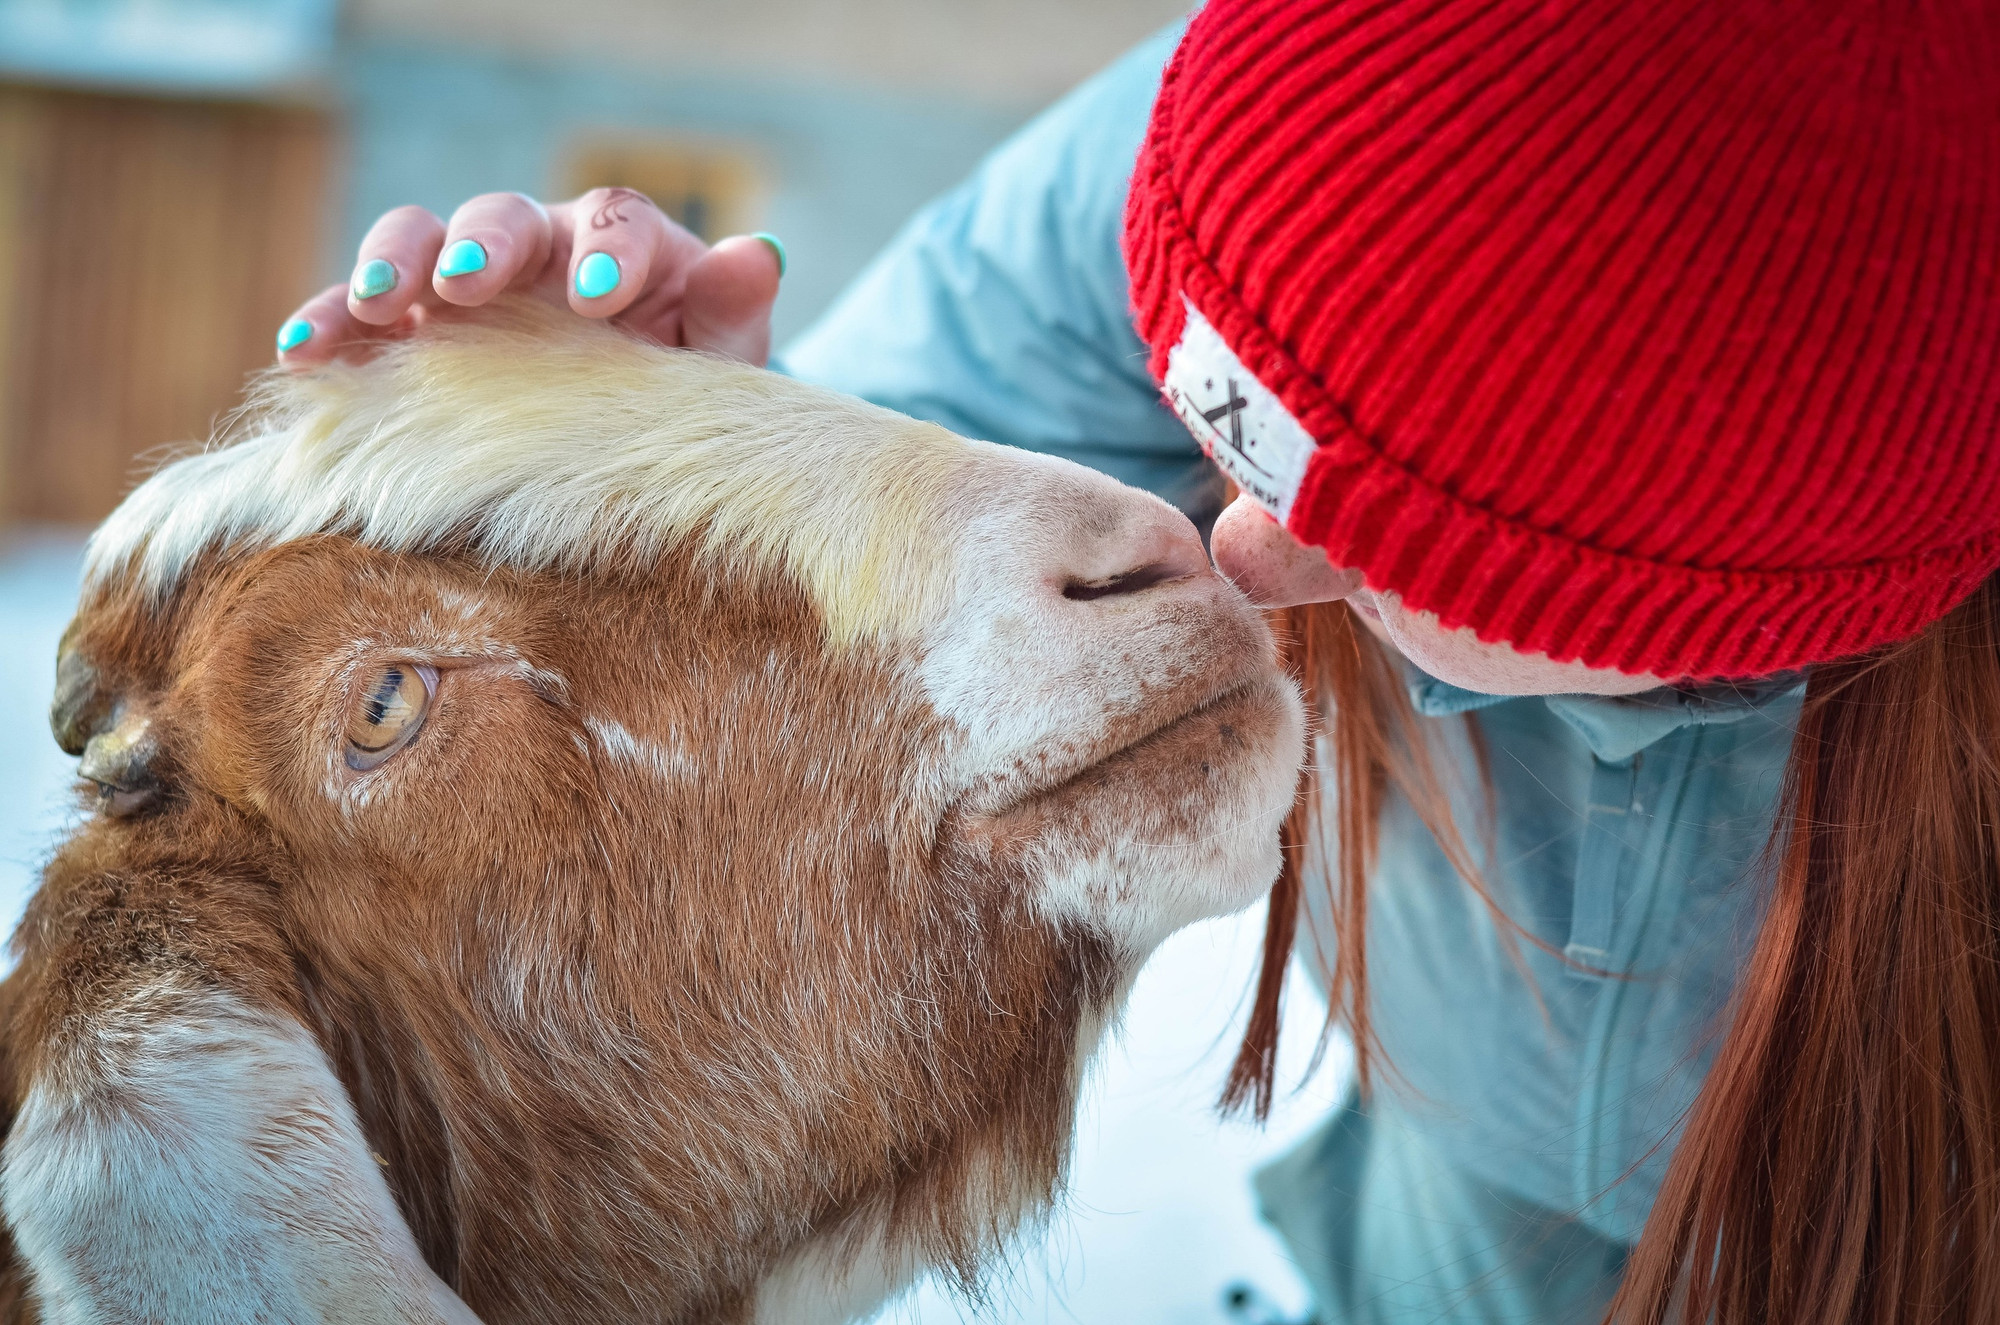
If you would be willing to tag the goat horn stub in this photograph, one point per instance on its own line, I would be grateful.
(82, 701)
(115, 741)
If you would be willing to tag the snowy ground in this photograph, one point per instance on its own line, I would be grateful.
(1160, 1223)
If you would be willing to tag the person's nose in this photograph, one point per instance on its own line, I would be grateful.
(1276, 570)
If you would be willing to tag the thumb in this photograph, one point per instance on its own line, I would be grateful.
(730, 290)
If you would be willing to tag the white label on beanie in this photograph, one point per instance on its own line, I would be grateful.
(1236, 418)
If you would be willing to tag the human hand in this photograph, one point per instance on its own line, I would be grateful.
(608, 254)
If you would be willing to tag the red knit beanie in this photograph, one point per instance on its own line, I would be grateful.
(1662, 336)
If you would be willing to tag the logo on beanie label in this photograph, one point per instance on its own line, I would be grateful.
(1237, 420)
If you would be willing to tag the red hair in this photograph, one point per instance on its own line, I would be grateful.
(1842, 1163)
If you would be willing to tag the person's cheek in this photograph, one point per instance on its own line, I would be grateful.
(1459, 657)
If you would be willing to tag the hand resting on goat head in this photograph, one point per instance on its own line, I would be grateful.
(581, 831)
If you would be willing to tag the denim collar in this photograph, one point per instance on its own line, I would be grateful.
(1616, 728)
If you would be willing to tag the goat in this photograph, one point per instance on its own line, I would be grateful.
(587, 832)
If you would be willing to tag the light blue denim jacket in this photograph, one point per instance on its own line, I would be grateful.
(1504, 1168)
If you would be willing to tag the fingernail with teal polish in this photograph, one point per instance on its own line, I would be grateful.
(596, 275)
(374, 277)
(294, 334)
(777, 247)
(463, 258)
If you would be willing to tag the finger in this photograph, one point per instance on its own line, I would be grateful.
(492, 241)
(727, 307)
(321, 329)
(624, 248)
(391, 268)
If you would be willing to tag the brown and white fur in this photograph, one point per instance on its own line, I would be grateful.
(801, 788)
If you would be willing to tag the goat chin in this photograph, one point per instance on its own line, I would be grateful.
(578, 831)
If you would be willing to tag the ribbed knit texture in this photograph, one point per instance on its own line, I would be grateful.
(1661, 336)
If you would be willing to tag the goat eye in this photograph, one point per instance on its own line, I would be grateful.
(388, 713)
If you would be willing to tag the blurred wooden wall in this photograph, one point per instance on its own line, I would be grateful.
(148, 251)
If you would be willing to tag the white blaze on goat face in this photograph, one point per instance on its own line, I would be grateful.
(798, 789)
(1084, 622)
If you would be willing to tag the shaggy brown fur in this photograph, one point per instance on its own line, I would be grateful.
(616, 1051)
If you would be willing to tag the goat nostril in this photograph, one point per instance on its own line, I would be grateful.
(1132, 581)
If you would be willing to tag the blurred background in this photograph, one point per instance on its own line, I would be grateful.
(176, 175)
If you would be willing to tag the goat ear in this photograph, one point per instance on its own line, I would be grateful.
(113, 732)
(188, 1154)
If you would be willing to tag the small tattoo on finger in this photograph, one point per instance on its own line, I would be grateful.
(612, 211)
